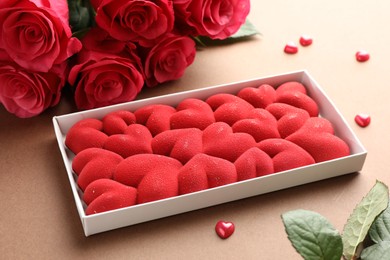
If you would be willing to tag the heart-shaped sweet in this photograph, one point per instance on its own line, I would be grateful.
(253, 163)
(299, 100)
(116, 122)
(105, 194)
(94, 163)
(157, 118)
(136, 139)
(181, 144)
(161, 183)
(305, 40)
(229, 108)
(133, 169)
(259, 97)
(86, 133)
(291, 48)
(319, 141)
(285, 154)
(203, 172)
(290, 118)
(260, 124)
(224, 229)
(363, 120)
(291, 86)
(220, 141)
(192, 113)
(362, 56)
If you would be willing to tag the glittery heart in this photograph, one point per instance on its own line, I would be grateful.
(317, 138)
(305, 40)
(105, 194)
(224, 229)
(363, 120)
(229, 108)
(291, 48)
(220, 141)
(116, 122)
(259, 97)
(94, 163)
(362, 56)
(86, 133)
(192, 113)
(155, 117)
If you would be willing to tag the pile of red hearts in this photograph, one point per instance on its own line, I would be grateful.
(160, 151)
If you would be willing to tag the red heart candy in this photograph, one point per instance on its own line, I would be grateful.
(86, 133)
(229, 108)
(285, 154)
(94, 163)
(105, 194)
(133, 169)
(291, 86)
(224, 229)
(192, 113)
(319, 141)
(155, 117)
(159, 184)
(253, 163)
(362, 56)
(300, 100)
(259, 97)
(181, 144)
(203, 172)
(291, 48)
(116, 122)
(136, 139)
(220, 141)
(363, 120)
(260, 124)
(305, 40)
(290, 118)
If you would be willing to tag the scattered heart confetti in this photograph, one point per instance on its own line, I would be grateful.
(291, 48)
(362, 56)
(362, 120)
(305, 40)
(224, 229)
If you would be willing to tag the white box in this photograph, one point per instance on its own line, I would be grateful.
(105, 221)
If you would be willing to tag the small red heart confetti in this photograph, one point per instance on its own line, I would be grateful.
(362, 120)
(305, 40)
(291, 48)
(224, 229)
(362, 56)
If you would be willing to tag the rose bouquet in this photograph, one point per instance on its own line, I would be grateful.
(106, 51)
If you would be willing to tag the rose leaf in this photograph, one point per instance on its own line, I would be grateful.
(312, 235)
(362, 217)
(246, 30)
(380, 229)
(377, 251)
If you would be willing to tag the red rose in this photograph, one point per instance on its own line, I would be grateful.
(168, 59)
(27, 94)
(217, 19)
(103, 78)
(135, 20)
(36, 34)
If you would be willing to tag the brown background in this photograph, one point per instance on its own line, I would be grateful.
(38, 218)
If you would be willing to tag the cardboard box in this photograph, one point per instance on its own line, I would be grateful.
(101, 222)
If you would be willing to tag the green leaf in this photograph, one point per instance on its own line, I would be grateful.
(380, 229)
(364, 214)
(312, 235)
(246, 30)
(377, 251)
(81, 15)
